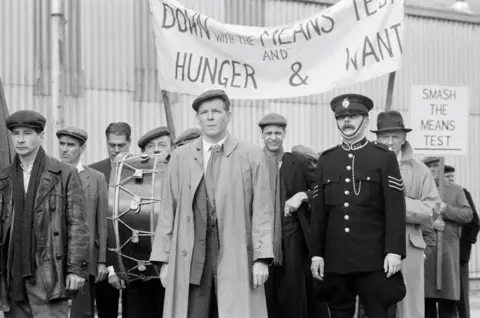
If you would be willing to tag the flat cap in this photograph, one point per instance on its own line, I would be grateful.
(430, 160)
(448, 169)
(305, 151)
(188, 135)
(209, 95)
(154, 133)
(26, 118)
(351, 104)
(272, 119)
(74, 132)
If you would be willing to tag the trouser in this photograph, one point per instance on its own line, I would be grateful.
(202, 299)
(446, 308)
(464, 303)
(143, 299)
(107, 299)
(36, 304)
(392, 311)
(83, 305)
(345, 288)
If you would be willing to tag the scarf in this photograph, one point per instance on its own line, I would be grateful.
(273, 165)
(23, 258)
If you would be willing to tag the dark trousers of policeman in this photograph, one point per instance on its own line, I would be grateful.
(446, 308)
(202, 299)
(343, 290)
(464, 303)
(392, 311)
(83, 305)
(143, 299)
(107, 299)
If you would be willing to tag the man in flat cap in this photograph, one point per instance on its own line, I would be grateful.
(44, 256)
(156, 141)
(423, 204)
(189, 135)
(72, 144)
(290, 182)
(214, 238)
(467, 239)
(118, 137)
(358, 218)
(455, 212)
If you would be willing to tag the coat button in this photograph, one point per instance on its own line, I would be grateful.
(347, 230)
(346, 217)
(346, 204)
(368, 178)
(347, 192)
(58, 257)
(349, 168)
(184, 253)
(350, 155)
(56, 233)
(347, 180)
(188, 219)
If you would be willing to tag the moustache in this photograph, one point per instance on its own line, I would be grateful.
(347, 126)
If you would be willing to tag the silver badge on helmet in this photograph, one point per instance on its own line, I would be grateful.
(346, 103)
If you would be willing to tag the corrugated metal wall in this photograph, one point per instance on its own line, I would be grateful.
(114, 61)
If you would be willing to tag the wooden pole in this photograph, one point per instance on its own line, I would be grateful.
(6, 148)
(168, 114)
(57, 23)
(439, 256)
(390, 87)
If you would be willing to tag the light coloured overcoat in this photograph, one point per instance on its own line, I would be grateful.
(423, 203)
(457, 213)
(245, 222)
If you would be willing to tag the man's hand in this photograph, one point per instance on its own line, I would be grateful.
(163, 274)
(102, 273)
(439, 225)
(317, 267)
(74, 282)
(294, 203)
(260, 273)
(392, 264)
(443, 207)
(116, 282)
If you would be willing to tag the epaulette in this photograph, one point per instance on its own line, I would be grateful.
(328, 150)
(382, 146)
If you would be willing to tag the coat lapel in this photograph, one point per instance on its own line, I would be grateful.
(196, 151)
(85, 178)
(287, 172)
(48, 181)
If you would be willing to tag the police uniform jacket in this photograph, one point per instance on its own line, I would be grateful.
(358, 208)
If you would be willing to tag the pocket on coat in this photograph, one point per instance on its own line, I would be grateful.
(417, 241)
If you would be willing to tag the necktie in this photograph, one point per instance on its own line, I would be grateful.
(213, 168)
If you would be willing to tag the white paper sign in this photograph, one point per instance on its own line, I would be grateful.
(439, 119)
(350, 42)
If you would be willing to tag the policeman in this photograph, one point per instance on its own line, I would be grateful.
(358, 219)
(156, 141)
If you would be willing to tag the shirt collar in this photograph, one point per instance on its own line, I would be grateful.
(80, 166)
(207, 145)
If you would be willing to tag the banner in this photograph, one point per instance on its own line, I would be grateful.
(350, 42)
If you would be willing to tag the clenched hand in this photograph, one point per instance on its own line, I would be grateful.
(317, 267)
(102, 273)
(74, 282)
(392, 264)
(163, 274)
(116, 282)
(260, 274)
(294, 203)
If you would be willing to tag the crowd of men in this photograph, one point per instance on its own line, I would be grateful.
(243, 232)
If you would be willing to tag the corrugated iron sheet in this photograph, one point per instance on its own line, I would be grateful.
(117, 64)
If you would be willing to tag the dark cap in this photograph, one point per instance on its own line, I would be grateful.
(305, 151)
(351, 104)
(26, 118)
(154, 133)
(273, 119)
(390, 121)
(209, 95)
(188, 135)
(448, 169)
(430, 160)
(74, 132)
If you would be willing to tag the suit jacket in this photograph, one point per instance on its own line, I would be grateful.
(105, 167)
(469, 232)
(296, 176)
(96, 194)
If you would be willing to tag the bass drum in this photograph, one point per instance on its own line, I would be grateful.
(134, 205)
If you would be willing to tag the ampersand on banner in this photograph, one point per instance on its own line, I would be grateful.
(296, 79)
